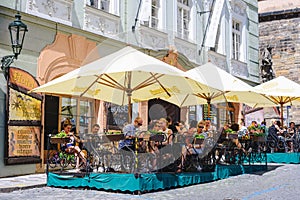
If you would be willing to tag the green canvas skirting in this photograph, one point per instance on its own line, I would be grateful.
(283, 158)
(148, 182)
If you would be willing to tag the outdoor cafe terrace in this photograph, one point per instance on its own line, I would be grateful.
(219, 157)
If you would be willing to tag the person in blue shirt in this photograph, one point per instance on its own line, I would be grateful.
(129, 132)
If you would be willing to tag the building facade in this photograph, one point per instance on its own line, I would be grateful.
(279, 29)
(65, 34)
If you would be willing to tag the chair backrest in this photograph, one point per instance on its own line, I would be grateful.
(158, 138)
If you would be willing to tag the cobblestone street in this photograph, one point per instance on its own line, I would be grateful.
(282, 182)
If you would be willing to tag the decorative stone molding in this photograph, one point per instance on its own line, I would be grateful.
(238, 7)
(182, 62)
(239, 69)
(217, 59)
(186, 48)
(55, 10)
(65, 54)
(172, 58)
(101, 22)
(152, 38)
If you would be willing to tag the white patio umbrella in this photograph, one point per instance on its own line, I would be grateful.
(281, 91)
(229, 88)
(122, 77)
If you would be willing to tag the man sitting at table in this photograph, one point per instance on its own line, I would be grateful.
(129, 132)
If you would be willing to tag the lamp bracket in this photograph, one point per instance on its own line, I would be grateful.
(6, 61)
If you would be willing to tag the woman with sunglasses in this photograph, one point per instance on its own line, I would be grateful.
(191, 148)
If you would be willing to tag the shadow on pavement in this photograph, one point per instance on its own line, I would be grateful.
(269, 168)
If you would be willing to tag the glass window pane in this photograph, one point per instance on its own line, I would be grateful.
(85, 116)
(105, 5)
(81, 116)
(68, 110)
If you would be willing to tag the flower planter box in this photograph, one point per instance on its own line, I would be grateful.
(115, 137)
(232, 136)
(57, 140)
(259, 139)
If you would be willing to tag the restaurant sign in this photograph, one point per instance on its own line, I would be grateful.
(23, 133)
(23, 141)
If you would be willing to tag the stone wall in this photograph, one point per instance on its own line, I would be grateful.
(284, 36)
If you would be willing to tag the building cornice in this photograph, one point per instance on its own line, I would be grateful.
(278, 15)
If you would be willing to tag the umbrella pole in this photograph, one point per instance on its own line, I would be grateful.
(129, 109)
(208, 110)
(129, 94)
(281, 114)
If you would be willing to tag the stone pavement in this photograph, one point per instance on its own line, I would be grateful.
(22, 182)
(280, 182)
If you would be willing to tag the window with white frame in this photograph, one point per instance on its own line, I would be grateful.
(149, 13)
(183, 18)
(154, 13)
(79, 111)
(100, 4)
(236, 39)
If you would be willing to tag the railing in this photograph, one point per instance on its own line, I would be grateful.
(283, 143)
(149, 152)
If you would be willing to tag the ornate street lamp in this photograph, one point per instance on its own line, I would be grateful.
(17, 30)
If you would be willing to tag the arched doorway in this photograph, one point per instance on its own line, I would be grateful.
(158, 108)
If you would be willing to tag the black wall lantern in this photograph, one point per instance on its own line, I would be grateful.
(17, 30)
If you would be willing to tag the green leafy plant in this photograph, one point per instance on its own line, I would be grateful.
(199, 136)
(251, 128)
(259, 134)
(230, 131)
(61, 135)
(156, 132)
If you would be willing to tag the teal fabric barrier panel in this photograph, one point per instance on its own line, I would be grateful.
(148, 182)
(283, 158)
(107, 181)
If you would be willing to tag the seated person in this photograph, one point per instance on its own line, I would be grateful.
(276, 133)
(196, 148)
(224, 143)
(165, 148)
(129, 132)
(190, 147)
(91, 139)
(223, 135)
(71, 147)
(153, 146)
(291, 133)
(180, 127)
(168, 132)
(235, 127)
(209, 127)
